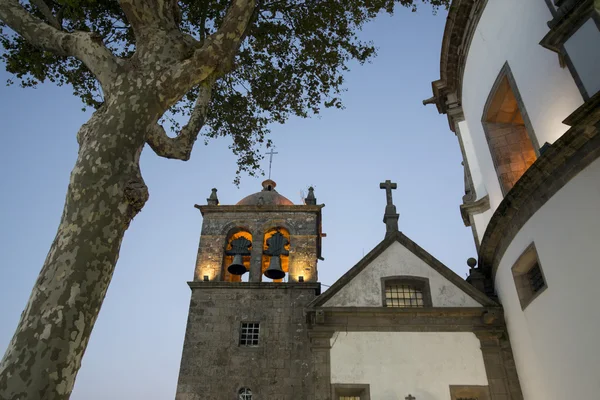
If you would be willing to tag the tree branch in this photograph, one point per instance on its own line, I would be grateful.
(85, 46)
(44, 9)
(215, 56)
(180, 147)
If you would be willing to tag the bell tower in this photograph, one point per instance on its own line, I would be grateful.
(255, 272)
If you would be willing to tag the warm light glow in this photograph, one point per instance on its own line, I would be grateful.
(285, 260)
(227, 260)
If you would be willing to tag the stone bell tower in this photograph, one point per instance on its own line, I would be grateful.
(255, 272)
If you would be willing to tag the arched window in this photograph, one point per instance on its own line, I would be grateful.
(509, 134)
(405, 292)
(236, 234)
(245, 394)
(284, 257)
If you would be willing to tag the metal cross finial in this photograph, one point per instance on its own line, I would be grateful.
(388, 186)
(410, 396)
(270, 153)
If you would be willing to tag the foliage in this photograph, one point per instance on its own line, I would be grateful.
(291, 63)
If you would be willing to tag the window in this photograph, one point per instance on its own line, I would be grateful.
(529, 277)
(469, 392)
(508, 131)
(350, 392)
(245, 394)
(406, 292)
(249, 334)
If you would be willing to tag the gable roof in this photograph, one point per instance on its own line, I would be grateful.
(417, 251)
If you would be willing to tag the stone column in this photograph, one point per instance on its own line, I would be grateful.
(499, 366)
(320, 344)
(258, 238)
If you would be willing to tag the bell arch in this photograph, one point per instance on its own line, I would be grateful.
(237, 233)
(284, 257)
(509, 133)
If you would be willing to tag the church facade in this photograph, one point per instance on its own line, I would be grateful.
(519, 83)
(398, 325)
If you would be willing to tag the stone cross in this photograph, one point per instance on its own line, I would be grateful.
(270, 153)
(410, 396)
(388, 186)
(390, 218)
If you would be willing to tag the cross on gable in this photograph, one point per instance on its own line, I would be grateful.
(410, 396)
(388, 186)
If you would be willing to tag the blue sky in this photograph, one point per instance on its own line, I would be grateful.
(384, 133)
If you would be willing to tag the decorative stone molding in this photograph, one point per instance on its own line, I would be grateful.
(568, 19)
(475, 207)
(569, 155)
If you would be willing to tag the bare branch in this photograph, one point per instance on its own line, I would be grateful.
(215, 56)
(180, 147)
(44, 9)
(85, 46)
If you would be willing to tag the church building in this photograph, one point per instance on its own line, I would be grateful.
(397, 325)
(520, 85)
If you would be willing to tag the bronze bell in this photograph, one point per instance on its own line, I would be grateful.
(237, 267)
(274, 271)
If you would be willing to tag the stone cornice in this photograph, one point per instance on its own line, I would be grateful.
(209, 209)
(569, 155)
(474, 207)
(255, 285)
(393, 319)
(461, 23)
(568, 19)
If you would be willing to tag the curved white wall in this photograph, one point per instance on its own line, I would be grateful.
(396, 364)
(510, 30)
(555, 339)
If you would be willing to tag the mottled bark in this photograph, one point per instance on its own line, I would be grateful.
(106, 189)
(105, 192)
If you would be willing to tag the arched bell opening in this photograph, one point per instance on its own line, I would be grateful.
(236, 257)
(276, 250)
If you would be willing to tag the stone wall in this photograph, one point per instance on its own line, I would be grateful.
(214, 366)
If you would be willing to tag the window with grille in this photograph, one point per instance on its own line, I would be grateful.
(403, 295)
(536, 279)
(529, 276)
(249, 334)
(349, 398)
(245, 394)
(405, 292)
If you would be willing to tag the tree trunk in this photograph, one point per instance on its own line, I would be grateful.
(105, 192)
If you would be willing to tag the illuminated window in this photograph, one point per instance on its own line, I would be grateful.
(406, 292)
(529, 277)
(245, 394)
(508, 131)
(249, 333)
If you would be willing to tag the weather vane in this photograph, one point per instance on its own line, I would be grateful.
(270, 153)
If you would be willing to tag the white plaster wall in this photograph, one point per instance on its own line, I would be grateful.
(396, 364)
(510, 30)
(555, 340)
(584, 51)
(365, 289)
(476, 177)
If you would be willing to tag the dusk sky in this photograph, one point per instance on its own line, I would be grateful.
(383, 133)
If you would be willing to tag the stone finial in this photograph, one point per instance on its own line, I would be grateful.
(476, 278)
(390, 218)
(310, 199)
(213, 200)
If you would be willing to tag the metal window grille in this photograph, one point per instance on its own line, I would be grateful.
(249, 334)
(245, 394)
(403, 295)
(536, 279)
(349, 398)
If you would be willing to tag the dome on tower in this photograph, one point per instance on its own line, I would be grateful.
(268, 196)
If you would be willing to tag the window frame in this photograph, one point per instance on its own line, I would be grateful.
(258, 338)
(520, 272)
(416, 281)
(458, 392)
(361, 390)
(239, 392)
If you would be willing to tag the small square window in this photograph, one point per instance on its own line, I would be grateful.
(350, 392)
(249, 333)
(529, 276)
